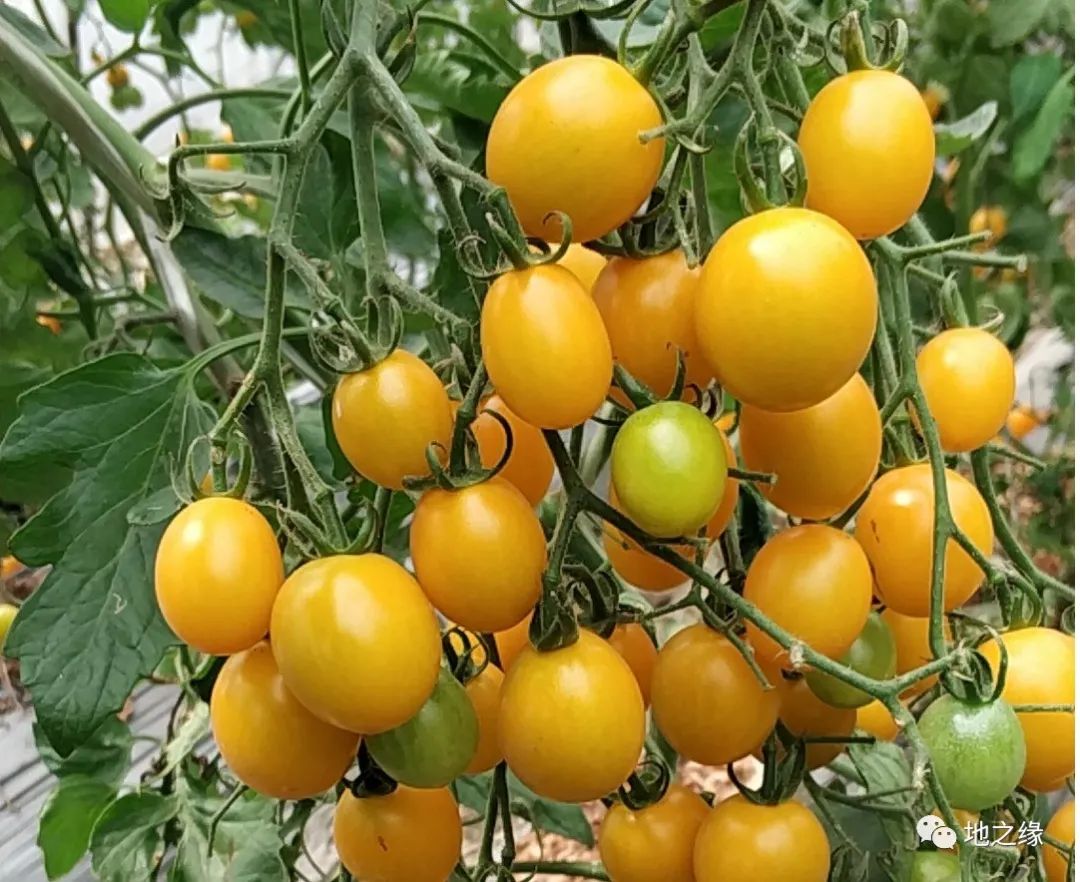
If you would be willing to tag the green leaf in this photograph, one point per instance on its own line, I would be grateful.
(884, 766)
(1031, 80)
(1035, 144)
(1012, 20)
(67, 818)
(440, 82)
(126, 15)
(32, 31)
(16, 192)
(105, 755)
(954, 137)
(111, 429)
(127, 838)
(194, 729)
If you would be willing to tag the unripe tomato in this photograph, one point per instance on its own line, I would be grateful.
(977, 750)
(823, 456)
(583, 263)
(895, 527)
(566, 139)
(669, 468)
(807, 716)
(992, 218)
(572, 722)
(912, 638)
(743, 842)
(1042, 670)
(485, 692)
(968, 377)
(656, 843)
(868, 143)
(814, 582)
(782, 333)
(479, 554)
(873, 654)
(874, 718)
(1062, 827)
(934, 866)
(511, 641)
(530, 465)
(270, 741)
(406, 836)
(536, 324)
(634, 644)
(706, 699)
(356, 641)
(245, 18)
(217, 571)
(8, 611)
(385, 418)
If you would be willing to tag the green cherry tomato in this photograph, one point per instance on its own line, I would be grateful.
(669, 468)
(977, 750)
(7, 617)
(873, 654)
(935, 866)
(436, 745)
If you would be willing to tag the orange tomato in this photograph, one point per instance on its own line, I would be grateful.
(912, 637)
(635, 645)
(807, 716)
(583, 263)
(511, 641)
(485, 691)
(1062, 827)
(530, 465)
(875, 719)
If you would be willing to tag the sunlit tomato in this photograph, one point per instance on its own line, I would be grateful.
(743, 842)
(807, 716)
(511, 641)
(1062, 827)
(572, 722)
(990, 218)
(968, 377)
(479, 554)
(656, 843)
(356, 641)
(873, 654)
(786, 308)
(706, 699)
(406, 836)
(895, 527)
(270, 741)
(874, 718)
(8, 611)
(823, 456)
(868, 143)
(669, 468)
(912, 638)
(536, 324)
(1023, 420)
(934, 866)
(814, 582)
(633, 643)
(484, 691)
(530, 465)
(385, 418)
(217, 571)
(1042, 670)
(559, 137)
(583, 263)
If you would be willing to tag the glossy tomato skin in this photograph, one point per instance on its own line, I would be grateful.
(786, 309)
(669, 468)
(874, 718)
(912, 638)
(386, 417)
(656, 843)
(356, 641)
(571, 721)
(935, 866)
(1062, 827)
(530, 466)
(868, 143)
(633, 563)
(583, 263)
(534, 324)
(743, 842)
(895, 527)
(217, 571)
(873, 654)
(511, 641)
(823, 456)
(1042, 670)
(634, 644)
(707, 701)
(969, 380)
(479, 554)
(805, 715)
(558, 136)
(485, 694)
(814, 581)
(409, 835)
(270, 741)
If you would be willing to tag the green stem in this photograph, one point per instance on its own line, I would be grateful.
(162, 116)
(300, 52)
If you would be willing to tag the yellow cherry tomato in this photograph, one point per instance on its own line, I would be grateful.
(1022, 421)
(270, 741)
(895, 527)
(385, 418)
(868, 143)
(807, 716)
(992, 218)
(634, 644)
(566, 139)
(406, 836)
(786, 308)
(969, 380)
(530, 465)
(535, 324)
(823, 457)
(356, 641)
(10, 565)
(912, 637)
(583, 263)
(875, 719)
(572, 722)
(8, 611)
(217, 571)
(511, 641)
(633, 563)
(1062, 827)
(117, 76)
(485, 693)
(221, 162)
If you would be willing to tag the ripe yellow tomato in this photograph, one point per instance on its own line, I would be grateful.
(530, 465)
(217, 571)
(868, 143)
(356, 641)
(633, 563)
(583, 263)
(912, 637)
(743, 842)
(634, 644)
(706, 699)
(786, 308)
(815, 582)
(534, 325)
(875, 719)
(807, 716)
(571, 721)
(1022, 421)
(117, 76)
(1042, 670)
(1062, 827)
(385, 418)
(485, 691)
(992, 218)
(9, 566)
(559, 137)
(823, 457)
(511, 641)
(406, 836)
(479, 554)
(221, 162)
(969, 381)
(656, 843)
(8, 611)
(271, 741)
(895, 527)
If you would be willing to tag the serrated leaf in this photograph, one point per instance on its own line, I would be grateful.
(67, 818)
(1032, 78)
(884, 766)
(1012, 20)
(954, 137)
(104, 756)
(440, 82)
(32, 31)
(1036, 142)
(127, 838)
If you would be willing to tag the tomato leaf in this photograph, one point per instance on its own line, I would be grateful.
(1036, 142)
(954, 137)
(884, 766)
(67, 818)
(1012, 20)
(126, 15)
(127, 837)
(1030, 81)
(105, 755)
(33, 32)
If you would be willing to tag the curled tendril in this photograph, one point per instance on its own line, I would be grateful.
(647, 784)
(849, 52)
(471, 263)
(467, 656)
